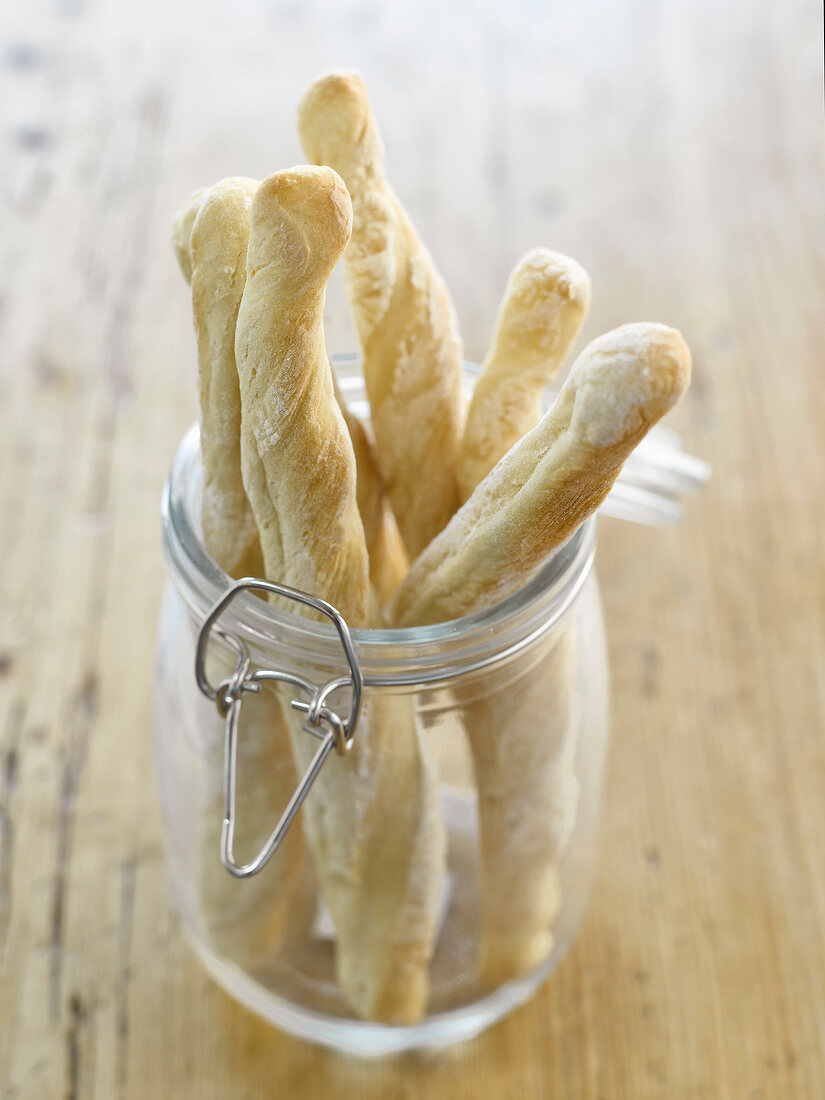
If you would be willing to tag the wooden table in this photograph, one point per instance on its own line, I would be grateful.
(676, 149)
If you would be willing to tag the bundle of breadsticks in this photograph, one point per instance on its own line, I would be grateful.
(433, 513)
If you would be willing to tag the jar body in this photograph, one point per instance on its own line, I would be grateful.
(516, 744)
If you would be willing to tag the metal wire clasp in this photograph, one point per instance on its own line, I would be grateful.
(321, 721)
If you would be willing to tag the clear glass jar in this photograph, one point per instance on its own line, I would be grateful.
(512, 703)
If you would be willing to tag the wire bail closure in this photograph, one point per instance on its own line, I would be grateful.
(321, 721)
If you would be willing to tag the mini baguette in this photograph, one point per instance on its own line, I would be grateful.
(372, 817)
(550, 481)
(218, 253)
(388, 558)
(544, 306)
(403, 314)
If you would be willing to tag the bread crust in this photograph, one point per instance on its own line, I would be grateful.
(522, 734)
(544, 306)
(219, 236)
(372, 817)
(388, 557)
(403, 314)
(182, 231)
(298, 462)
(552, 480)
(245, 921)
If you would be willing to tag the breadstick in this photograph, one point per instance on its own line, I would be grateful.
(182, 231)
(405, 320)
(523, 733)
(388, 558)
(218, 251)
(544, 306)
(243, 920)
(552, 480)
(298, 462)
(372, 817)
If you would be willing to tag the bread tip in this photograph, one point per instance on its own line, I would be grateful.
(308, 210)
(335, 83)
(671, 353)
(543, 266)
(306, 185)
(340, 94)
(181, 231)
(625, 380)
(333, 111)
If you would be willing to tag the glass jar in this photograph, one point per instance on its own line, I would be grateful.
(511, 704)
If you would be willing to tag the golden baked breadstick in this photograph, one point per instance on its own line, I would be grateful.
(372, 817)
(552, 480)
(218, 250)
(522, 734)
(388, 558)
(243, 920)
(182, 231)
(403, 314)
(298, 463)
(544, 306)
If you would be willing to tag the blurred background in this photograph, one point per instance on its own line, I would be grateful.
(675, 148)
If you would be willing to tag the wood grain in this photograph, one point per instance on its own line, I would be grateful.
(676, 149)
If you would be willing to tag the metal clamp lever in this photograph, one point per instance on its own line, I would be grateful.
(321, 721)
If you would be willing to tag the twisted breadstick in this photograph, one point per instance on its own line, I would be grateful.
(372, 817)
(218, 253)
(544, 306)
(298, 463)
(388, 558)
(522, 733)
(244, 920)
(403, 314)
(552, 480)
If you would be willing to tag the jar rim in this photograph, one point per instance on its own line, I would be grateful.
(421, 653)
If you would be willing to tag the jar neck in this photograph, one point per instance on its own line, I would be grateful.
(415, 655)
